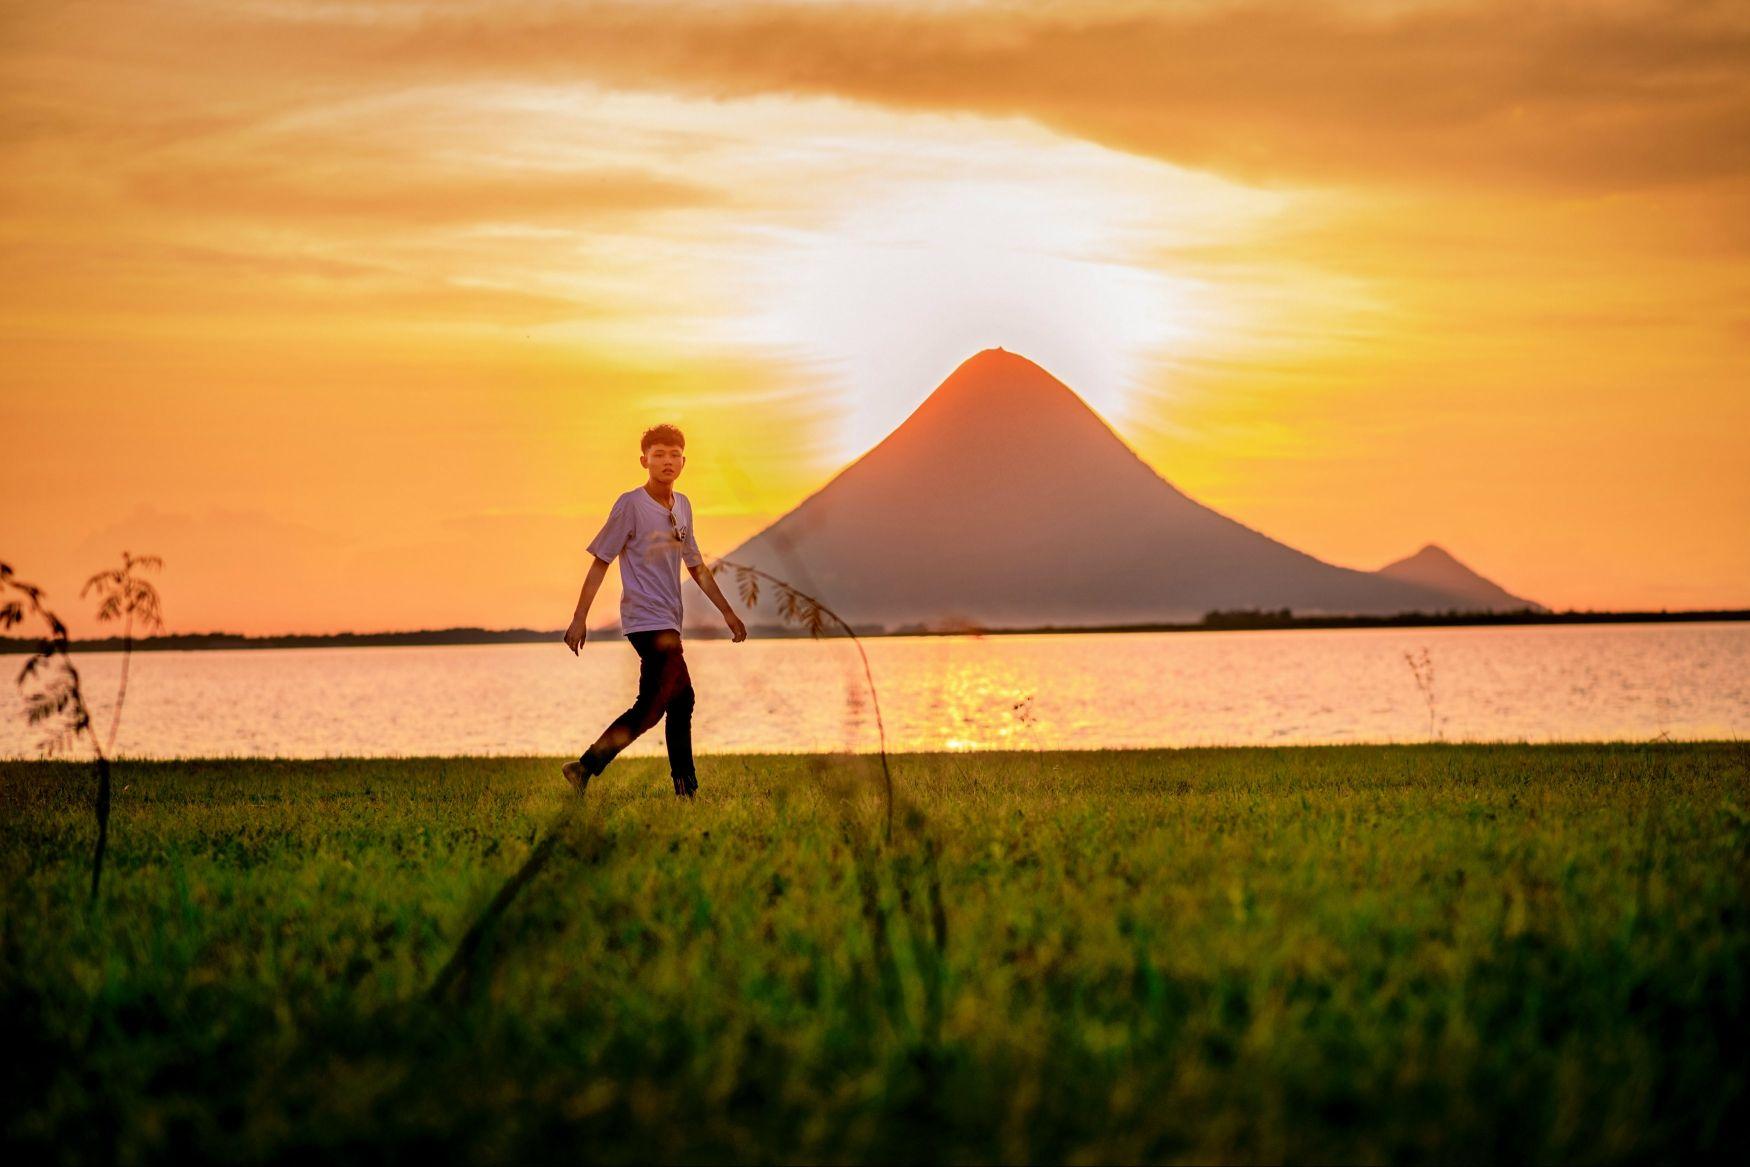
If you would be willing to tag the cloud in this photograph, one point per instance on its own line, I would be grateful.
(149, 279)
(408, 197)
(1495, 92)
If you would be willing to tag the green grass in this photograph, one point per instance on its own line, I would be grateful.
(1423, 953)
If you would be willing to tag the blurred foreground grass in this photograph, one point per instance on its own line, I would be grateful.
(1334, 953)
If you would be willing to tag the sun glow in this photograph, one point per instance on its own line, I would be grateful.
(893, 295)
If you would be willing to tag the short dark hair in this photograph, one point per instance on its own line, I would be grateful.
(666, 435)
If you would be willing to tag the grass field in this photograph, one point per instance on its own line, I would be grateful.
(1423, 953)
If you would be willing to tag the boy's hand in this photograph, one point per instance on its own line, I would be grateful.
(737, 630)
(574, 636)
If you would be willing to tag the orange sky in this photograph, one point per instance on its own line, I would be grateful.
(353, 312)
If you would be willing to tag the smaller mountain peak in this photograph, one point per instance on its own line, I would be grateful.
(1430, 557)
(1435, 566)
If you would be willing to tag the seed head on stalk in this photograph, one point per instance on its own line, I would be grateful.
(53, 694)
(128, 598)
(800, 608)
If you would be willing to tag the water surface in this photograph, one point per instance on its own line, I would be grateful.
(1538, 683)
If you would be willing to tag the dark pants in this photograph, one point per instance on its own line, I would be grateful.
(663, 688)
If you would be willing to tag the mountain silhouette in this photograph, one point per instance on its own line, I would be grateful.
(1433, 566)
(1004, 500)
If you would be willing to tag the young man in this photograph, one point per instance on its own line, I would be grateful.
(651, 530)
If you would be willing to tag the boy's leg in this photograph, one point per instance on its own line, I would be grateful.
(655, 690)
(679, 731)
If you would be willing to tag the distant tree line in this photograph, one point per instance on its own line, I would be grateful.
(187, 641)
(1243, 618)
(1216, 620)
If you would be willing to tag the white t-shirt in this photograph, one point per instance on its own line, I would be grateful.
(638, 530)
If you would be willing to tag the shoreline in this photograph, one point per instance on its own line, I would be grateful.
(897, 756)
(1216, 622)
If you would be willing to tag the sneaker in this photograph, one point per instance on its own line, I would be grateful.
(576, 775)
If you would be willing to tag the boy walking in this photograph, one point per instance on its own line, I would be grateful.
(651, 530)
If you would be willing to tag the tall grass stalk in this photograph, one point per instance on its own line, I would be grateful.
(53, 691)
(1422, 668)
(128, 598)
(804, 610)
(57, 698)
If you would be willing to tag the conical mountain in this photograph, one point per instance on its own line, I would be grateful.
(1005, 501)
(1434, 566)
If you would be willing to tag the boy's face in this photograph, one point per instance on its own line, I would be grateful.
(664, 462)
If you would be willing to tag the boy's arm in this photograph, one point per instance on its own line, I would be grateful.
(708, 584)
(592, 582)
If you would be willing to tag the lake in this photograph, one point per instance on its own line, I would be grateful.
(1593, 682)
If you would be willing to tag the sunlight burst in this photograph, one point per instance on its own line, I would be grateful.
(896, 293)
